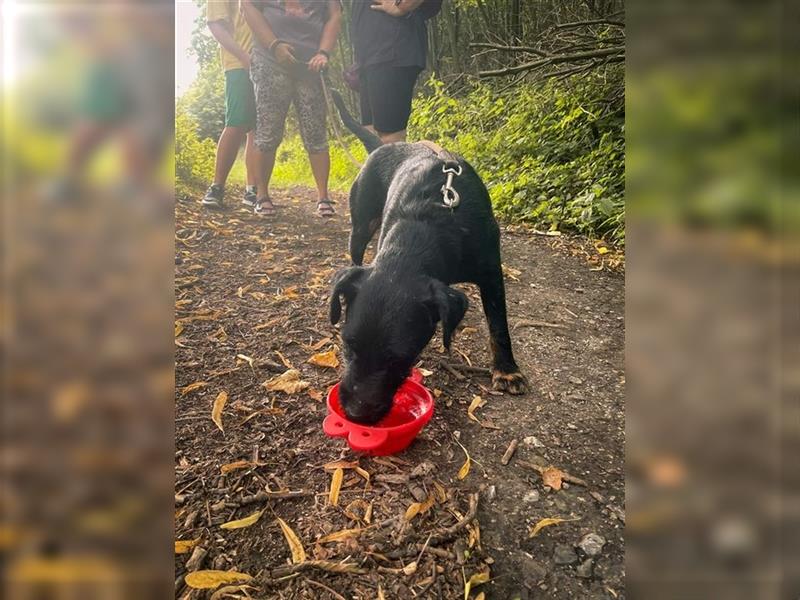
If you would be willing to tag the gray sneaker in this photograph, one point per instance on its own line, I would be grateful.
(214, 197)
(250, 197)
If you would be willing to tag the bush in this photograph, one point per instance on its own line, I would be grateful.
(194, 158)
(550, 155)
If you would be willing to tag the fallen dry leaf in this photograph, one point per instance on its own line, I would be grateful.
(321, 343)
(336, 486)
(368, 513)
(283, 360)
(289, 382)
(247, 359)
(477, 402)
(239, 464)
(547, 523)
(315, 395)
(229, 590)
(474, 581)
(193, 386)
(178, 329)
(440, 492)
(340, 464)
(464, 470)
(295, 546)
(183, 546)
(419, 507)
(552, 477)
(425, 372)
(325, 359)
(216, 411)
(358, 504)
(208, 580)
(245, 522)
(339, 536)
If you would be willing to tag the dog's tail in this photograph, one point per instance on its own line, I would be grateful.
(370, 140)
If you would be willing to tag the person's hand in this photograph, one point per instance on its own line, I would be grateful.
(284, 54)
(390, 7)
(319, 62)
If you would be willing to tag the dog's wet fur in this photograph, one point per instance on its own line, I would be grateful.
(394, 305)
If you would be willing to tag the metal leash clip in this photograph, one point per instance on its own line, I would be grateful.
(450, 197)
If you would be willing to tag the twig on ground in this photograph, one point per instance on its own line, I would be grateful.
(326, 588)
(262, 496)
(310, 565)
(449, 533)
(532, 323)
(509, 451)
(471, 369)
(452, 371)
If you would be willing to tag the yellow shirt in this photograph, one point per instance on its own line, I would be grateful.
(228, 11)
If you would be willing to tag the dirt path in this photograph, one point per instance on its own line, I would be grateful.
(258, 289)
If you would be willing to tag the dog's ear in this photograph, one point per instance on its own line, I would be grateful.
(345, 283)
(449, 306)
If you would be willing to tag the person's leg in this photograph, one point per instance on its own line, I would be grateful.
(273, 95)
(227, 150)
(392, 90)
(87, 136)
(250, 158)
(309, 101)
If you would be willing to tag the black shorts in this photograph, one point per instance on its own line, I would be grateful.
(386, 94)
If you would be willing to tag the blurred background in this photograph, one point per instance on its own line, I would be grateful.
(87, 415)
(709, 230)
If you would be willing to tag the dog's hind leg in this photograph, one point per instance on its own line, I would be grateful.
(505, 373)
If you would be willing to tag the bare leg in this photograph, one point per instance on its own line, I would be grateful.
(264, 163)
(320, 167)
(87, 137)
(251, 159)
(396, 136)
(227, 148)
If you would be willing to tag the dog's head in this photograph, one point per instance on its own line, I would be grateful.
(387, 325)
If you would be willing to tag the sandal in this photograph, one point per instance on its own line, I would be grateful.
(325, 208)
(264, 207)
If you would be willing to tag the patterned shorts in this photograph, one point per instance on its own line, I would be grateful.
(275, 89)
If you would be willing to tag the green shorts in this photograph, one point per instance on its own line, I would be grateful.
(240, 101)
(103, 97)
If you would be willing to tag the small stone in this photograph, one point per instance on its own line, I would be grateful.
(591, 544)
(418, 493)
(585, 569)
(575, 380)
(422, 469)
(491, 493)
(533, 441)
(531, 497)
(533, 572)
(564, 554)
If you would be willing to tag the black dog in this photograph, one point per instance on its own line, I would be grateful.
(394, 304)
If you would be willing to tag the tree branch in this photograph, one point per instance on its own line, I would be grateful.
(615, 52)
(509, 48)
(592, 22)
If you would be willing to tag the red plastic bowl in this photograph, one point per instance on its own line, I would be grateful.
(411, 410)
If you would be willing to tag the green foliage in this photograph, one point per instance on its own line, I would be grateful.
(292, 168)
(551, 155)
(194, 157)
(204, 101)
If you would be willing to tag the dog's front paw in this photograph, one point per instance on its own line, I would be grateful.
(513, 383)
